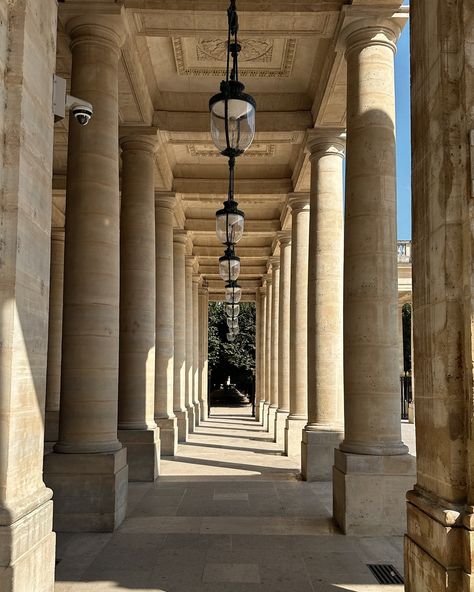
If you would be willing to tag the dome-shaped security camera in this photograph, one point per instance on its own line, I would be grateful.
(82, 113)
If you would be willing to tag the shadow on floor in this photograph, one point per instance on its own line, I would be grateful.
(242, 448)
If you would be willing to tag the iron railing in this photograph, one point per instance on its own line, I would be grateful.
(405, 393)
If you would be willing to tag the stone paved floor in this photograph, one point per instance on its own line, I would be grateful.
(228, 514)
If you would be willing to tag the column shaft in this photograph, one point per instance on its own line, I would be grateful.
(190, 263)
(260, 395)
(196, 333)
(55, 333)
(179, 281)
(284, 238)
(268, 350)
(137, 427)
(164, 353)
(299, 204)
(275, 263)
(204, 302)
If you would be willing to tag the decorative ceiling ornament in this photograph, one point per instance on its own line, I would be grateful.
(252, 50)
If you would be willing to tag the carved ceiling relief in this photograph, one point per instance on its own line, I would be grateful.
(256, 151)
(259, 58)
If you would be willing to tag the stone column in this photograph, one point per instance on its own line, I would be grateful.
(190, 263)
(179, 282)
(439, 544)
(268, 350)
(284, 238)
(137, 427)
(197, 280)
(204, 361)
(55, 335)
(299, 205)
(89, 463)
(324, 430)
(27, 63)
(372, 468)
(275, 307)
(261, 320)
(164, 352)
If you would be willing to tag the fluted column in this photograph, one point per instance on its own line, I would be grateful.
(137, 427)
(297, 418)
(324, 430)
(55, 335)
(88, 443)
(164, 353)
(180, 240)
(190, 263)
(197, 280)
(27, 61)
(372, 456)
(268, 350)
(261, 321)
(275, 306)
(204, 360)
(284, 238)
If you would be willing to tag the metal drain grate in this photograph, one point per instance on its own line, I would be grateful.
(385, 573)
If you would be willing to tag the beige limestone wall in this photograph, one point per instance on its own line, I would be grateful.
(27, 63)
(439, 549)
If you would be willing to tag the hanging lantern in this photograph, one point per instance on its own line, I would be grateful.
(229, 266)
(232, 323)
(229, 223)
(232, 310)
(233, 293)
(231, 337)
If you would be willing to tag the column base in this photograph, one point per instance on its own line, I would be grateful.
(90, 490)
(51, 426)
(191, 419)
(28, 549)
(435, 546)
(369, 492)
(197, 414)
(143, 453)
(411, 412)
(280, 423)
(183, 425)
(317, 453)
(168, 435)
(259, 411)
(294, 435)
(203, 410)
(271, 414)
(265, 416)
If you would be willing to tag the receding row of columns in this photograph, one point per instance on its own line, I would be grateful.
(330, 389)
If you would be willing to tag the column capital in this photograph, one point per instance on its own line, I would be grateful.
(298, 202)
(166, 199)
(144, 143)
(263, 291)
(324, 141)
(267, 278)
(97, 29)
(180, 236)
(370, 31)
(274, 261)
(197, 277)
(190, 261)
(203, 289)
(284, 237)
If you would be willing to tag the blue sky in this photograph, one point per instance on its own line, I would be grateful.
(402, 88)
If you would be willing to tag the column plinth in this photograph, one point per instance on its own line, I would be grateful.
(372, 457)
(90, 347)
(165, 417)
(180, 240)
(298, 415)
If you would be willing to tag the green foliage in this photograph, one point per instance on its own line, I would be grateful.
(236, 359)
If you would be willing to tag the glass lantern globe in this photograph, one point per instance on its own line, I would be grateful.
(232, 118)
(229, 266)
(229, 223)
(233, 293)
(232, 310)
(231, 337)
(232, 323)
(235, 330)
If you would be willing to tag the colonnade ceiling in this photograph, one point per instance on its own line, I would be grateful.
(172, 62)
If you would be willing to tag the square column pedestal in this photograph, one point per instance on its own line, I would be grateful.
(369, 492)
(168, 435)
(259, 411)
(203, 410)
(197, 414)
(264, 416)
(183, 425)
(191, 419)
(143, 453)
(28, 551)
(294, 436)
(317, 454)
(280, 424)
(271, 418)
(89, 490)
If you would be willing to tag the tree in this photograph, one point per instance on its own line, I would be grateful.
(235, 359)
